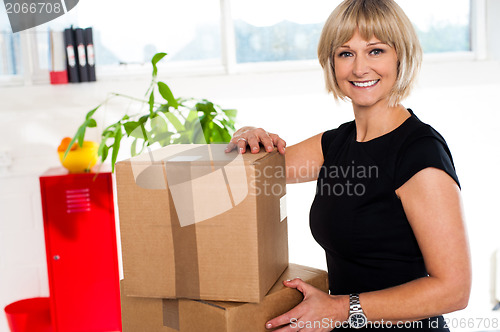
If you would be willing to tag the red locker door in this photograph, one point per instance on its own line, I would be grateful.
(81, 251)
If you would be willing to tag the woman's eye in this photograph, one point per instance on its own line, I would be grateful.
(345, 54)
(377, 51)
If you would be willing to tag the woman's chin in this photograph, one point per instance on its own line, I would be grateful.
(364, 103)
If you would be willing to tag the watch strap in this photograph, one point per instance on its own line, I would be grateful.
(354, 303)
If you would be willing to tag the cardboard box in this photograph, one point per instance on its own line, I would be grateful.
(199, 223)
(157, 315)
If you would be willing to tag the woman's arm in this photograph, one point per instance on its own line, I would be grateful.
(303, 160)
(432, 203)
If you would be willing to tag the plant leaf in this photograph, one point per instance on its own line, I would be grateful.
(198, 137)
(192, 116)
(138, 133)
(201, 107)
(101, 146)
(210, 107)
(104, 155)
(107, 133)
(151, 102)
(229, 125)
(216, 134)
(91, 123)
(116, 147)
(231, 114)
(130, 127)
(142, 148)
(163, 138)
(81, 134)
(225, 136)
(185, 137)
(89, 114)
(133, 148)
(175, 122)
(68, 149)
(163, 108)
(159, 130)
(158, 125)
(166, 93)
(208, 131)
(157, 57)
(145, 136)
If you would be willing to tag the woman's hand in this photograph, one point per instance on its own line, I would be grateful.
(318, 311)
(253, 137)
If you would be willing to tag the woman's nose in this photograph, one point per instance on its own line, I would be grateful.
(360, 67)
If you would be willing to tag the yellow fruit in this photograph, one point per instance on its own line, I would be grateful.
(82, 159)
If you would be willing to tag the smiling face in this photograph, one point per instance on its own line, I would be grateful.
(366, 70)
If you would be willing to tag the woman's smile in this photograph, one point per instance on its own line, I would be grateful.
(364, 84)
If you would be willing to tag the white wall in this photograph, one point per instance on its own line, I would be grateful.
(458, 98)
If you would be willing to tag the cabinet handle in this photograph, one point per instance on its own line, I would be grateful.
(57, 257)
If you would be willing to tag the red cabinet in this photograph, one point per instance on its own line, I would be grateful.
(80, 240)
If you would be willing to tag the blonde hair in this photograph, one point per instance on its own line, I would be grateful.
(383, 19)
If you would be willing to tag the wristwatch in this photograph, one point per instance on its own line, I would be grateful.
(357, 318)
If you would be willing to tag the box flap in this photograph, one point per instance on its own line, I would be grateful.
(196, 154)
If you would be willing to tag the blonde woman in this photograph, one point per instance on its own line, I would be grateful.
(387, 208)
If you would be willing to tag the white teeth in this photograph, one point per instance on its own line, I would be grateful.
(365, 84)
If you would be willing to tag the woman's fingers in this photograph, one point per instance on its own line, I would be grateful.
(230, 146)
(266, 140)
(267, 143)
(241, 142)
(299, 284)
(253, 143)
(285, 319)
(238, 142)
(289, 328)
(278, 142)
(260, 136)
(294, 316)
(254, 138)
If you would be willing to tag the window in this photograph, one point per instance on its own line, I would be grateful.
(445, 28)
(220, 33)
(278, 30)
(131, 34)
(128, 36)
(10, 49)
(289, 29)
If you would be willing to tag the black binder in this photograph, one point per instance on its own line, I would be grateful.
(82, 55)
(71, 56)
(89, 47)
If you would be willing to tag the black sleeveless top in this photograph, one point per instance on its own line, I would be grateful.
(356, 215)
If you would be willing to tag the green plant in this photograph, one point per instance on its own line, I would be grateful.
(168, 121)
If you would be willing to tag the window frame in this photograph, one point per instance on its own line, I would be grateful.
(33, 74)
